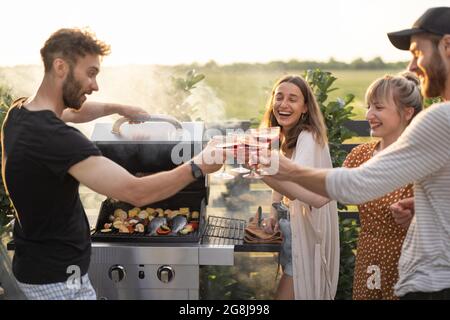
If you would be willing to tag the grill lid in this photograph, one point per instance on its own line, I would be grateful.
(151, 147)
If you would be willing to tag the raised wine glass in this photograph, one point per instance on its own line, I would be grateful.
(269, 135)
(222, 144)
(239, 138)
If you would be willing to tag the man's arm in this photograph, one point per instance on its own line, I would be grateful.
(416, 154)
(104, 176)
(403, 212)
(108, 178)
(93, 110)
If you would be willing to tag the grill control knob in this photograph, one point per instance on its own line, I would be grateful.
(165, 274)
(116, 273)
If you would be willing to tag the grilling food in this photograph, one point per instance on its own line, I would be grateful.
(121, 214)
(178, 223)
(160, 212)
(139, 228)
(195, 215)
(143, 214)
(133, 212)
(163, 230)
(155, 224)
(184, 211)
(133, 222)
(194, 224)
(106, 230)
(123, 229)
(187, 229)
(117, 224)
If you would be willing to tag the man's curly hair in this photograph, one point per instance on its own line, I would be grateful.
(70, 44)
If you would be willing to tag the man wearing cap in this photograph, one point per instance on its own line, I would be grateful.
(421, 155)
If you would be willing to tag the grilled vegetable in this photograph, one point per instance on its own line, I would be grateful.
(139, 228)
(133, 212)
(195, 215)
(194, 224)
(187, 229)
(133, 222)
(117, 224)
(162, 230)
(160, 212)
(123, 229)
(143, 214)
(184, 211)
(150, 211)
(120, 214)
(106, 230)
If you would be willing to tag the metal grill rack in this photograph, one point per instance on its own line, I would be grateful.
(224, 231)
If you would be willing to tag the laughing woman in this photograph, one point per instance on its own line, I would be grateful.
(311, 267)
(392, 103)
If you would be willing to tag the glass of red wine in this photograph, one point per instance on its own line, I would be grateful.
(270, 137)
(222, 143)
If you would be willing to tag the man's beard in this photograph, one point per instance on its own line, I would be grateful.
(435, 77)
(72, 92)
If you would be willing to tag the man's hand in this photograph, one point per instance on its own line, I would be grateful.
(277, 165)
(403, 212)
(94, 110)
(132, 112)
(211, 158)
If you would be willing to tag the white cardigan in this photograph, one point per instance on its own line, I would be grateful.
(315, 233)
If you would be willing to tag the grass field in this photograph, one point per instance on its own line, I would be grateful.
(245, 93)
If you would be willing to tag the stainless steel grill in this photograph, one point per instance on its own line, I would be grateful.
(140, 266)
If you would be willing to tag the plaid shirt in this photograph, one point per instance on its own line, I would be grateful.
(59, 290)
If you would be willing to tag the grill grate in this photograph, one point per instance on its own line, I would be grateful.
(224, 231)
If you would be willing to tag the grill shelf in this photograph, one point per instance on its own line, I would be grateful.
(224, 231)
(229, 231)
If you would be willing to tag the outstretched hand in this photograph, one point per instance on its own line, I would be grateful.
(277, 165)
(211, 158)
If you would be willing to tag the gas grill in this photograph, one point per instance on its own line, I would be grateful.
(140, 265)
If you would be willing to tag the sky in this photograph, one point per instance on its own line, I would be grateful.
(226, 31)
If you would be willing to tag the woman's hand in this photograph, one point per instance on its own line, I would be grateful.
(270, 225)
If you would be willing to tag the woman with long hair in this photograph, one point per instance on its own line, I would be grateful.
(310, 262)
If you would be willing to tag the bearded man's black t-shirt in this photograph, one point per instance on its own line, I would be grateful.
(51, 231)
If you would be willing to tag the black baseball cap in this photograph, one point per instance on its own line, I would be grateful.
(434, 20)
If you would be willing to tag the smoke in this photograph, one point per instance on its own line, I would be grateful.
(146, 86)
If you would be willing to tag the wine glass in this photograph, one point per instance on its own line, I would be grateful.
(255, 148)
(239, 138)
(221, 174)
(268, 135)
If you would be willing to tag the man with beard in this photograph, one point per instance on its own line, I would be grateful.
(421, 155)
(44, 161)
